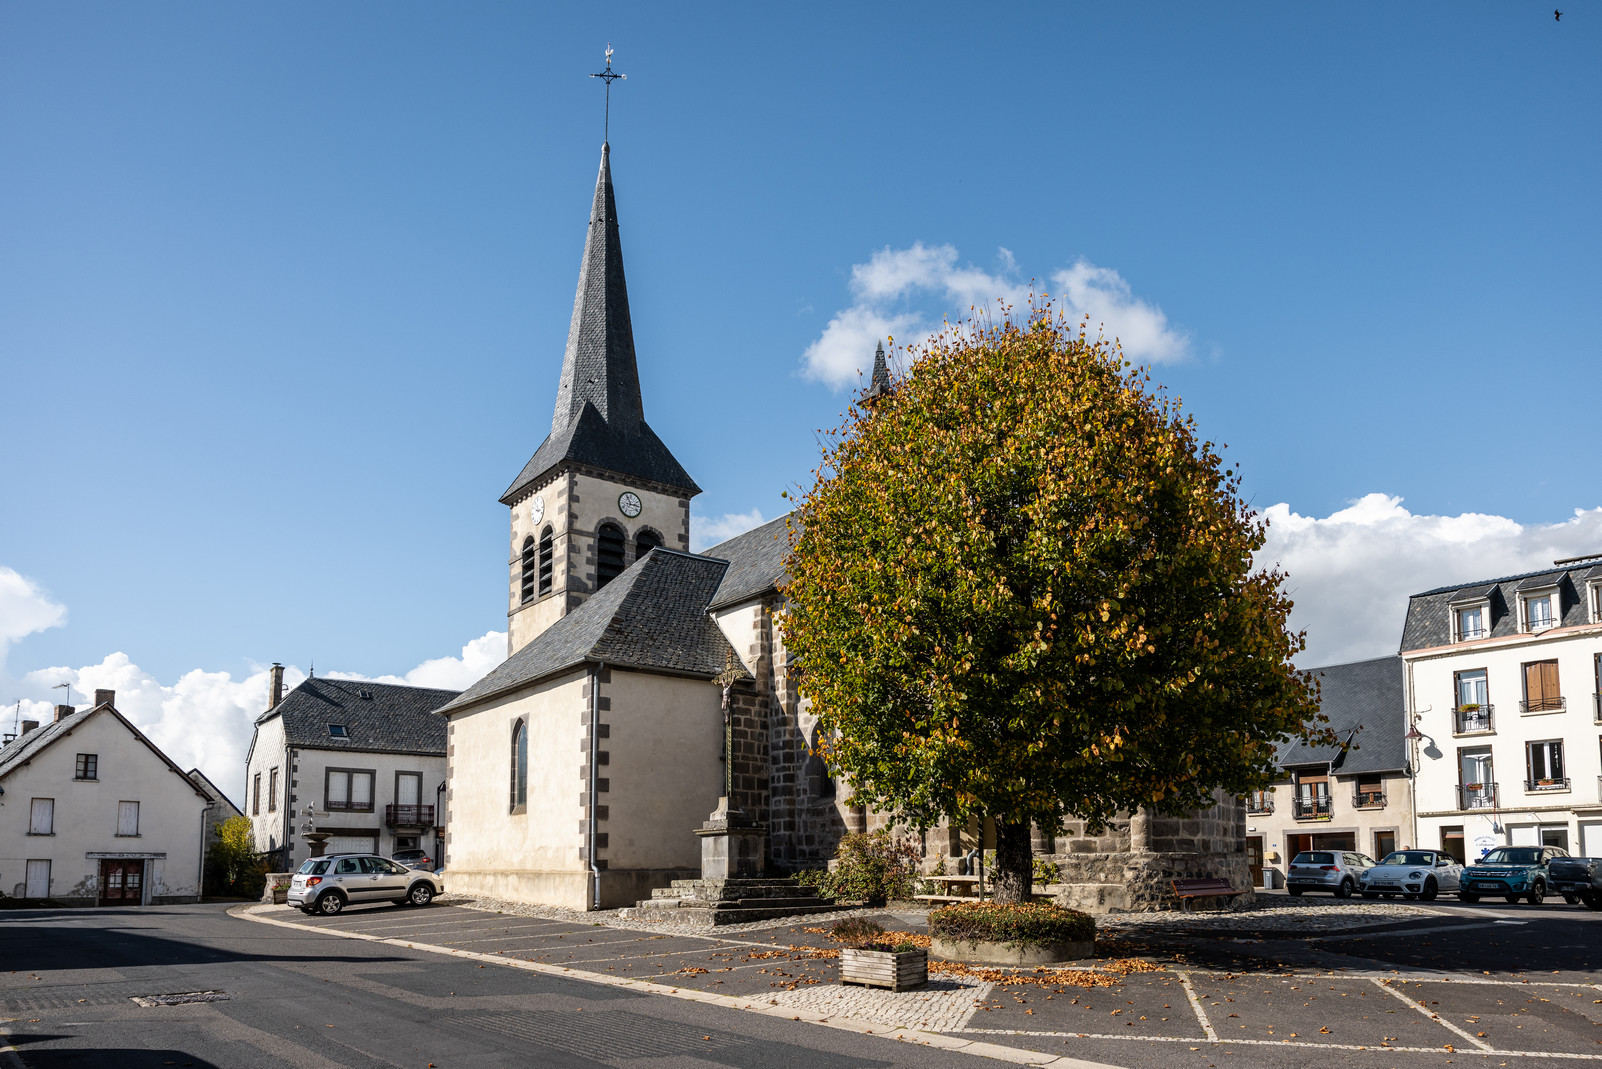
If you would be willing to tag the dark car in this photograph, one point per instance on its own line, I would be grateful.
(1514, 872)
(414, 859)
(1577, 879)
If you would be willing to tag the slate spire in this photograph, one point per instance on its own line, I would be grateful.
(599, 365)
(879, 385)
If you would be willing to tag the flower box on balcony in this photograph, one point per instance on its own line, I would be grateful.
(1473, 786)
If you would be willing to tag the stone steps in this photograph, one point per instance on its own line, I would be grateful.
(711, 903)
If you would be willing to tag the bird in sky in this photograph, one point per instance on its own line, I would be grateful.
(1557, 16)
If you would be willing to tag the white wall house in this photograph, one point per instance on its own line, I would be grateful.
(1355, 795)
(92, 813)
(1502, 679)
(368, 759)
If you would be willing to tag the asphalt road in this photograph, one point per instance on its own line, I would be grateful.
(312, 999)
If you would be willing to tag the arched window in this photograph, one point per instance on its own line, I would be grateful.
(519, 765)
(644, 542)
(609, 543)
(528, 568)
(545, 562)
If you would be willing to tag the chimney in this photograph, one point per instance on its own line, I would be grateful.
(105, 697)
(29, 725)
(278, 685)
(63, 710)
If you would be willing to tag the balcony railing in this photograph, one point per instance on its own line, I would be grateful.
(409, 816)
(1544, 705)
(1315, 808)
(1476, 796)
(1473, 719)
(1260, 804)
(1535, 786)
(1369, 800)
(348, 807)
(1469, 634)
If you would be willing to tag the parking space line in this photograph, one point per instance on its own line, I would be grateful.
(1489, 1052)
(1195, 1004)
(1415, 978)
(1425, 1010)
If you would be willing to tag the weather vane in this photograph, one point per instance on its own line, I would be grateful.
(609, 76)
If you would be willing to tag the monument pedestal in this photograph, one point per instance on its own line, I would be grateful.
(731, 888)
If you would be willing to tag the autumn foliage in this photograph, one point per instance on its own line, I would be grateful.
(1022, 587)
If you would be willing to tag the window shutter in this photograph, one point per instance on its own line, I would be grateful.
(409, 786)
(42, 817)
(1549, 681)
(127, 818)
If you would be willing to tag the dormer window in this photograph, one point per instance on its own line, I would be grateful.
(1538, 610)
(1469, 622)
(1596, 601)
(337, 731)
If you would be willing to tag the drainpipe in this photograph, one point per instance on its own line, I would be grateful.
(595, 741)
(200, 887)
(1412, 759)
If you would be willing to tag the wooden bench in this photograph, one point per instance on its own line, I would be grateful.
(1189, 890)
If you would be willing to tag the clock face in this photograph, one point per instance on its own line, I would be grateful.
(629, 502)
(536, 509)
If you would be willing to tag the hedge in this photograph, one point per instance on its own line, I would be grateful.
(1021, 925)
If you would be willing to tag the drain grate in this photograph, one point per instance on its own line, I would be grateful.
(147, 1001)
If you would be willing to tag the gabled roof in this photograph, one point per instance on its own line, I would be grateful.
(213, 791)
(391, 719)
(652, 618)
(600, 417)
(756, 561)
(25, 748)
(1363, 701)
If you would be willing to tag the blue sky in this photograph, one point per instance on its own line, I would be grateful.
(284, 289)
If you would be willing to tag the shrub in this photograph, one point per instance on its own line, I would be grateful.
(1018, 925)
(1046, 871)
(872, 868)
(232, 866)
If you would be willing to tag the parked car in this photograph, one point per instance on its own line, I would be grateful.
(1577, 879)
(1413, 874)
(413, 859)
(1514, 872)
(1335, 871)
(328, 884)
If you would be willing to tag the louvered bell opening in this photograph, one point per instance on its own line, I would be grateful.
(609, 543)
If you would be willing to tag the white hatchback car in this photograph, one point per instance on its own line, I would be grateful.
(1420, 874)
(329, 884)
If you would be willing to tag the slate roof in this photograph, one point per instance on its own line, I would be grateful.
(756, 561)
(1429, 614)
(25, 748)
(396, 719)
(600, 417)
(213, 791)
(652, 617)
(1365, 696)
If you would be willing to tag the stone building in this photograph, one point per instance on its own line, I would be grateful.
(643, 682)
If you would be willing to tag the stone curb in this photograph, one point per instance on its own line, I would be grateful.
(996, 1051)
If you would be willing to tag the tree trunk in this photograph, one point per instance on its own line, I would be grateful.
(1015, 862)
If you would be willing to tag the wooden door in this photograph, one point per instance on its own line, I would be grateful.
(122, 881)
(1254, 859)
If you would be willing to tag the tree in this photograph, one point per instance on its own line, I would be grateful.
(231, 863)
(1021, 587)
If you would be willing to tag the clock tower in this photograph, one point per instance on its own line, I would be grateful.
(602, 490)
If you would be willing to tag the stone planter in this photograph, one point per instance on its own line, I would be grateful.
(982, 953)
(277, 898)
(884, 968)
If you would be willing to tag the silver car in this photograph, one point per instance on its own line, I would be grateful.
(328, 884)
(1335, 871)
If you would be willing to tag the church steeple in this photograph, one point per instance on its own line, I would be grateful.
(599, 367)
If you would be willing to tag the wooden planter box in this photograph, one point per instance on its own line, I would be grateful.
(280, 896)
(884, 968)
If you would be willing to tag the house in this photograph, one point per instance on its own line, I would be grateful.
(1355, 794)
(1503, 677)
(359, 762)
(92, 813)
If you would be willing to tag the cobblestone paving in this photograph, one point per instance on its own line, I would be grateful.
(945, 1005)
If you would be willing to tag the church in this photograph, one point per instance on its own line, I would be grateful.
(643, 682)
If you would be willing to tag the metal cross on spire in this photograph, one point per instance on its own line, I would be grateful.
(609, 76)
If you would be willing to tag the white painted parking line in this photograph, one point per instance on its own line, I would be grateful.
(1195, 1004)
(1493, 1053)
(1425, 1010)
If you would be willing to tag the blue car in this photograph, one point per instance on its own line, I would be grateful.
(1514, 872)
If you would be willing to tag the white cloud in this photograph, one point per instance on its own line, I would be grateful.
(710, 530)
(449, 673)
(24, 610)
(884, 288)
(1352, 572)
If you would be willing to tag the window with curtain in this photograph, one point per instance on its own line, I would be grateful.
(127, 818)
(272, 792)
(519, 766)
(349, 789)
(1546, 765)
